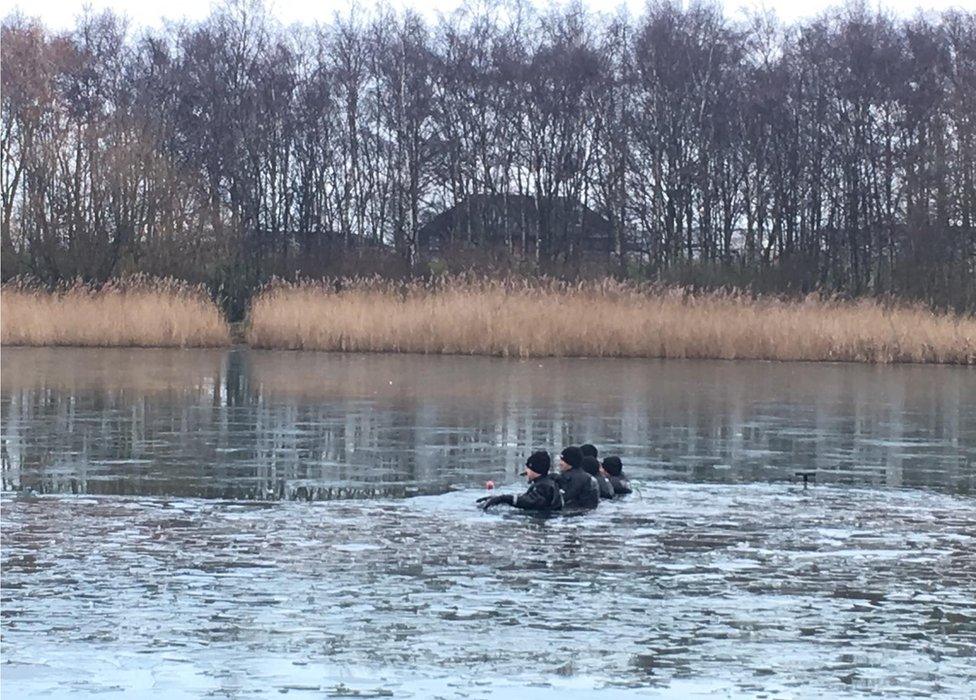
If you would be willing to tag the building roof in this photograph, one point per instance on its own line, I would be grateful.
(503, 219)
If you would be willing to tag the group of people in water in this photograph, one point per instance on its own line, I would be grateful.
(582, 482)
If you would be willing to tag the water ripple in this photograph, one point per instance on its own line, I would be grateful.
(738, 589)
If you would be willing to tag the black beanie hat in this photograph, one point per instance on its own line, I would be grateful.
(591, 465)
(613, 466)
(539, 462)
(589, 450)
(572, 456)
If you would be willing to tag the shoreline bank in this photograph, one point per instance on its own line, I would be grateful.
(605, 319)
(144, 313)
(500, 319)
(408, 353)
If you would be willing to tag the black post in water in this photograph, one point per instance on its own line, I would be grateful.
(806, 477)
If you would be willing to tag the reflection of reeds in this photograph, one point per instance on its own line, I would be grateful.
(136, 312)
(599, 320)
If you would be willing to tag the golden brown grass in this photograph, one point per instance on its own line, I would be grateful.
(133, 313)
(599, 320)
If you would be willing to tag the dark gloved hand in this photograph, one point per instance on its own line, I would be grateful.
(495, 500)
(483, 499)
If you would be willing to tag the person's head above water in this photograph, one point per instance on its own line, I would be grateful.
(589, 450)
(613, 466)
(591, 465)
(570, 458)
(537, 465)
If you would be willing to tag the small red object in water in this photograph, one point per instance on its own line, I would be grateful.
(489, 485)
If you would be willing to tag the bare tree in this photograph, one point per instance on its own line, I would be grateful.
(837, 153)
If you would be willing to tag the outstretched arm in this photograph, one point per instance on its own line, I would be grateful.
(487, 502)
(536, 498)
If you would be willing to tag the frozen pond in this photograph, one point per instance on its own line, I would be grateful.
(233, 524)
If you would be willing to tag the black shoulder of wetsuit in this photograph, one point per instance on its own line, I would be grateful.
(591, 494)
(543, 494)
(621, 486)
(580, 490)
(606, 488)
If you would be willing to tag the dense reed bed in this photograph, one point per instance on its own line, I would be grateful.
(129, 313)
(607, 319)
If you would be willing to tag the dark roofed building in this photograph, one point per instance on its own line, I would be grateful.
(554, 226)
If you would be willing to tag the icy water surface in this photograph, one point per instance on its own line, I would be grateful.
(233, 524)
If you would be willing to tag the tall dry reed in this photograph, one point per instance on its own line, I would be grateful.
(599, 320)
(130, 313)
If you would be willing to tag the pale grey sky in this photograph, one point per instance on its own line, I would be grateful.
(60, 14)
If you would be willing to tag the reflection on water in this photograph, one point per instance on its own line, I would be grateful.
(278, 425)
(171, 552)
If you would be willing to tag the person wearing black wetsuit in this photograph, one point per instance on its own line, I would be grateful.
(580, 490)
(614, 470)
(543, 495)
(588, 450)
(591, 465)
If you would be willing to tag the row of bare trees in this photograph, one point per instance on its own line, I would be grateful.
(838, 153)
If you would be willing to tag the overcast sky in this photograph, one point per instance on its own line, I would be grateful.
(60, 14)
